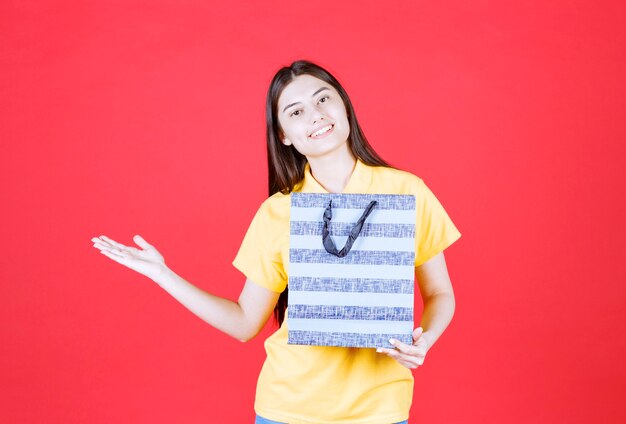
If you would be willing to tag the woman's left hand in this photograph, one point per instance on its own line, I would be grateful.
(410, 356)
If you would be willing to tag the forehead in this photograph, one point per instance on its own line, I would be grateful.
(301, 88)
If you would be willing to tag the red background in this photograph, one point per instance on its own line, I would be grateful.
(130, 117)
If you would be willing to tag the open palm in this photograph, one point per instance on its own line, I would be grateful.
(147, 260)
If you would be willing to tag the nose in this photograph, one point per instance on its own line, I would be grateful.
(317, 115)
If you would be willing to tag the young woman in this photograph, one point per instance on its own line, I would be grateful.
(315, 144)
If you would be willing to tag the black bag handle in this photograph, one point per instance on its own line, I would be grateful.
(329, 244)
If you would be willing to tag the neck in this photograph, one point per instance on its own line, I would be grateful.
(333, 171)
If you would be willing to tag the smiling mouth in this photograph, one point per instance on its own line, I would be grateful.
(322, 132)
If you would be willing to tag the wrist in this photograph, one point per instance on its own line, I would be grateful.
(161, 274)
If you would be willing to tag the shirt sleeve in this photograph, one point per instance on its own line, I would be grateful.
(258, 258)
(434, 230)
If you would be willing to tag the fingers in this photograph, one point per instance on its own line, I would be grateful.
(405, 348)
(104, 241)
(417, 333)
(120, 257)
(408, 361)
(141, 242)
(410, 356)
(111, 250)
(102, 245)
(112, 242)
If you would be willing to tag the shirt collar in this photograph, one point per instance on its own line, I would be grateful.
(359, 181)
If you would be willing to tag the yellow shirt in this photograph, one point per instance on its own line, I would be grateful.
(322, 384)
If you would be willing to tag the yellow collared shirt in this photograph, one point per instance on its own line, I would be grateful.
(322, 384)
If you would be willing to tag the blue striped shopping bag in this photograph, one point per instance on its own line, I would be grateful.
(351, 269)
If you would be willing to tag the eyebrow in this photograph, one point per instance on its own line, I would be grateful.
(312, 95)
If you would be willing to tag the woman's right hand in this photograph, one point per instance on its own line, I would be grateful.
(147, 260)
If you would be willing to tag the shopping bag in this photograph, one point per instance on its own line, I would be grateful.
(351, 269)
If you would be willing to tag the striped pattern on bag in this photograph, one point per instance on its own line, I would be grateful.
(364, 298)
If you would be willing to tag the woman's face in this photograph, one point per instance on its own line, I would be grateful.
(312, 117)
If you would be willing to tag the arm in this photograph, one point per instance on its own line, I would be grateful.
(242, 319)
(438, 297)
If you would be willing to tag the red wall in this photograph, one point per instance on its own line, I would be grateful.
(129, 117)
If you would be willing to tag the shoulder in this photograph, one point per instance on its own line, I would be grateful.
(275, 209)
(270, 222)
(277, 201)
(386, 179)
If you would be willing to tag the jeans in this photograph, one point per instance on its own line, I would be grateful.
(261, 420)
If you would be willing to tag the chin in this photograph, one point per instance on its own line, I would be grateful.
(325, 150)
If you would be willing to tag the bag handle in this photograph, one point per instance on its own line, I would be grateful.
(329, 244)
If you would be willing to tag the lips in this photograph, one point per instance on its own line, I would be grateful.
(327, 127)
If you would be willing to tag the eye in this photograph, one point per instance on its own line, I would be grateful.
(296, 112)
(324, 99)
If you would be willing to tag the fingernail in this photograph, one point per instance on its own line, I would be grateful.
(392, 341)
(379, 350)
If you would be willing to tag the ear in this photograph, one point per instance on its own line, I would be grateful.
(282, 138)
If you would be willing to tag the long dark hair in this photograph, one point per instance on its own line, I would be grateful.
(285, 164)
